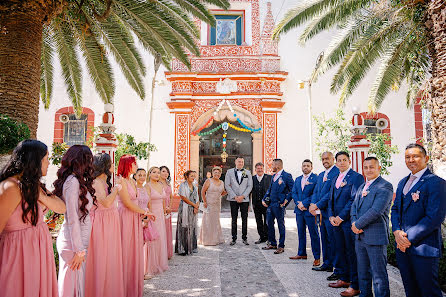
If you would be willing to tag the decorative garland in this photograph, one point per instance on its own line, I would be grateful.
(220, 105)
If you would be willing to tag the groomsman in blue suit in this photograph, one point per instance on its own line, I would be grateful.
(319, 208)
(276, 198)
(417, 213)
(370, 223)
(302, 191)
(342, 193)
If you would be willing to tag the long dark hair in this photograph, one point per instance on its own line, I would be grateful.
(168, 179)
(101, 164)
(78, 160)
(26, 162)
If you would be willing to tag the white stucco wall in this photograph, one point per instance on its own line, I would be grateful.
(132, 114)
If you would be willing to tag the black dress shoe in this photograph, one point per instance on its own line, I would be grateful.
(323, 268)
(232, 242)
(245, 241)
(333, 277)
(260, 241)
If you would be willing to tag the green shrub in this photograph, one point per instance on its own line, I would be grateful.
(391, 257)
(56, 257)
(11, 133)
(58, 150)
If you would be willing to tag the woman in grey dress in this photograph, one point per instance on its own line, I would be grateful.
(186, 237)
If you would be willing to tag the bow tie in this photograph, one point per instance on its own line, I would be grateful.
(239, 169)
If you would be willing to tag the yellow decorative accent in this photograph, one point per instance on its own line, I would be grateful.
(238, 128)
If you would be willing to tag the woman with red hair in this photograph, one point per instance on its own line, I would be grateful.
(131, 228)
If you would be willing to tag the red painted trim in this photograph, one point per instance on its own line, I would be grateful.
(418, 118)
(376, 116)
(59, 126)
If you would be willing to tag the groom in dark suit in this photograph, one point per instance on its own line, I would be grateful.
(417, 213)
(260, 184)
(238, 184)
(370, 222)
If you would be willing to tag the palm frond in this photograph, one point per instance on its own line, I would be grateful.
(71, 70)
(302, 13)
(97, 62)
(163, 32)
(120, 44)
(197, 9)
(389, 71)
(331, 17)
(47, 69)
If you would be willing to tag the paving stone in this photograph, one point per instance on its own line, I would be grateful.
(241, 270)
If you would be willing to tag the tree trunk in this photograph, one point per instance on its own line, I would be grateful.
(436, 24)
(20, 48)
(21, 24)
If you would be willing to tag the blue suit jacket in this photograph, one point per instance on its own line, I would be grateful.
(371, 213)
(421, 219)
(305, 195)
(341, 199)
(280, 190)
(321, 194)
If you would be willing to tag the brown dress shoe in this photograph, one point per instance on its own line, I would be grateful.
(297, 257)
(279, 251)
(350, 292)
(269, 247)
(339, 284)
(317, 262)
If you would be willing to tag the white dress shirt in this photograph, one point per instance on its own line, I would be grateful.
(259, 178)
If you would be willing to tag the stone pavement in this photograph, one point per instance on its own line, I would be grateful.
(241, 270)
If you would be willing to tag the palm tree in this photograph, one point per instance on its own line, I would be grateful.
(33, 32)
(406, 37)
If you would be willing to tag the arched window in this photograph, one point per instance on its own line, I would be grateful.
(70, 129)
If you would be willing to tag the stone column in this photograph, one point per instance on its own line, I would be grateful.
(257, 148)
(106, 141)
(195, 153)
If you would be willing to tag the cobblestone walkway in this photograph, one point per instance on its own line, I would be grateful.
(241, 270)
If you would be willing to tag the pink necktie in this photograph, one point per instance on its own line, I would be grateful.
(367, 185)
(276, 176)
(339, 180)
(303, 182)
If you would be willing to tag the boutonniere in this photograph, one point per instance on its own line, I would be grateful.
(416, 196)
(280, 180)
(244, 173)
(365, 193)
(325, 179)
(343, 183)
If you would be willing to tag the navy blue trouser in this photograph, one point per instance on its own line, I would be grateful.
(372, 266)
(419, 274)
(276, 213)
(302, 222)
(345, 248)
(328, 242)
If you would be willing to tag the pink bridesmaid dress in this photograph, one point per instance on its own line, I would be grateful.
(104, 275)
(132, 248)
(155, 252)
(27, 265)
(168, 190)
(74, 236)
